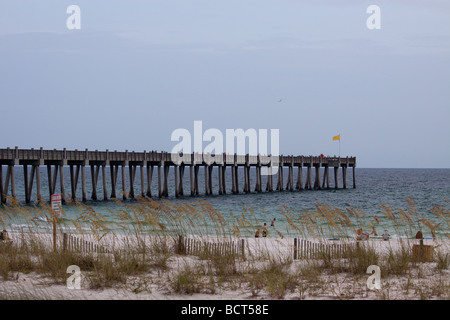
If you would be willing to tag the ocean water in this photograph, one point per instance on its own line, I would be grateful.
(374, 187)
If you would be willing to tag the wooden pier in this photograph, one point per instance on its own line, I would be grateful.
(163, 162)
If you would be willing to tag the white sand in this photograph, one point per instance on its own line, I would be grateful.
(154, 285)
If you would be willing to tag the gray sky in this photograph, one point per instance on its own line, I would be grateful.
(137, 70)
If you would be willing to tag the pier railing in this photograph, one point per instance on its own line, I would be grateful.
(7, 155)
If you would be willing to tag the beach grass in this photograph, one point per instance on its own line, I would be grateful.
(145, 250)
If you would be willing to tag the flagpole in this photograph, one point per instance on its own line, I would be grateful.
(338, 137)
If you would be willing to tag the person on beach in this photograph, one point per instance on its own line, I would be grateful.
(385, 235)
(360, 235)
(264, 230)
(4, 236)
(374, 231)
(257, 234)
(273, 222)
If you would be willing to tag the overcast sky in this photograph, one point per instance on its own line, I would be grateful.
(138, 70)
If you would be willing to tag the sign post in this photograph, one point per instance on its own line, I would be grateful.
(56, 210)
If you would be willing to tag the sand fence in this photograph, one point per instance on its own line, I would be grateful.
(294, 248)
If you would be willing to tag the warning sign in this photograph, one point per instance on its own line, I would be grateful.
(56, 204)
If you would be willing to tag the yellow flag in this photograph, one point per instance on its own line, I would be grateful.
(338, 137)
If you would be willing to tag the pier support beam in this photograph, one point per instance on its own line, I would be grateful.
(326, 178)
(344, 176)
(220, 171)
(25, 179)
(258, 186)
(38, 183)
(124, 183)
(233, 179)
(269, 186)
(317, 178)
(61, 183)
(28, 181)
(105, 186)
(74, 180)
(165, 171)
(149, 180)
(308, 184)
(52, 180)
(336, 174)
(9, 179)
(94, 179)
(354, 176)
(132, 175)
(180, 187)
(196, 184)
(280, 175)
(166, 180)
(176, 181)
(290, 182)
(191, 179)
(206, 180)
(299, 185)
(236, 168)
(13, 181)
(247, 178)
(141, 172)
(210, 174)
(83, 183)
(224, 185)
(114, 169)
(159, 181)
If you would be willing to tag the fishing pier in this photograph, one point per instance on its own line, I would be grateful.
(270, 167)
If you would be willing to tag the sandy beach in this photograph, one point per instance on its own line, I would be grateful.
(157, 284)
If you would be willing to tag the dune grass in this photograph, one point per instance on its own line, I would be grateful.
(144, 250)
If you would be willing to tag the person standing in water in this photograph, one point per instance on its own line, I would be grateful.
(264, 230)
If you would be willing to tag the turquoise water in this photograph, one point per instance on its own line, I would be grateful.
(374, 187)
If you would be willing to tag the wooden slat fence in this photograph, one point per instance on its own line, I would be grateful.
(73, 243)
(193, 246)
(307, 249)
